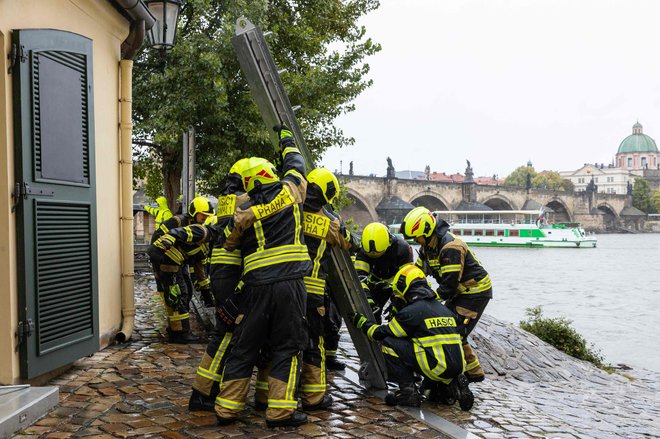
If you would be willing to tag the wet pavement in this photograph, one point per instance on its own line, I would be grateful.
(141, 389)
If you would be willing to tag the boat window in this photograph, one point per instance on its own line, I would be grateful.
(489, 232)
(514, 232)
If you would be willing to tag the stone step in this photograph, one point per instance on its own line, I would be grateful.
(21, 406)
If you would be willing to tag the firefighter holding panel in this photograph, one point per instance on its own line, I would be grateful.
(162, 212)
(463, 283)
(379, 259)
(268, 230)
(423, 337)
(225, 272)
(180, 240)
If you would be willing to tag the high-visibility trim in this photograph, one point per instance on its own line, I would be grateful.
(226, 205)
(261, 385)
(322, 351)
(281, 201)
(289, 150)
(364, 286)
(396, 328)
(208, 374)
(174, 254)
(314, 388)
(362, 265)
(389, 351)
(419, 263)
(331, 353)
(481, 286)
(259, 234)
(317, 226)
(316, 267)
(236, 406)
(314, 285)
(220, 353)
(176, 317)
(472, 365)
(450, 268)
(295, 174)
(299, 224)
(371, 330)
(282, 404)
(189, 234)
(291, 383)
(274, 256)
(438, 339)
(222, 256)
(227, 232)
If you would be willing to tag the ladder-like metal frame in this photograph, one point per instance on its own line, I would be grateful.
(273, 103)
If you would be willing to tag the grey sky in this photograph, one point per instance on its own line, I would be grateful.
(558, 82)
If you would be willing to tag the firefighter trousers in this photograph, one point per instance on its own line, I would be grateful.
(331, 325)
(275, 315)
(175, 298)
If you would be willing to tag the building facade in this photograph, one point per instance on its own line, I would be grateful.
(638, 151)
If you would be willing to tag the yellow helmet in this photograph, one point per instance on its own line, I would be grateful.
(200, 205)
(239, 166)
(326, 181)
(404, 277)
(375, 239)
(256, 169)
(419, 222)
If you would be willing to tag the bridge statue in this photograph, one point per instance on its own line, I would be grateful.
(350, 168)
(391, 173)
(468, 173)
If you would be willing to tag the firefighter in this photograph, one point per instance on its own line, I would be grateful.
(322, 231)
(162, 212)
(268, 230)
(423, 337)
(332, 323)
(225, 272)
(463, 283)
(381, 256)
(179, 240)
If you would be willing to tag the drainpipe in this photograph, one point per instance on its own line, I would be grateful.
(129, 48)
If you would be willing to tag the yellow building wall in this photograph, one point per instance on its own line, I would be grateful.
(99, 21)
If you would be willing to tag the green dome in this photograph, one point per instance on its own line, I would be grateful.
(637, 142)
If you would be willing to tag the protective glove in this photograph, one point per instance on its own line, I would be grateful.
(396, 304)
(207, 297)
(375, 309)
(166, 241)
(285, 135)
(228, 312)
(361, 322)
(173, 296)
(443, 295)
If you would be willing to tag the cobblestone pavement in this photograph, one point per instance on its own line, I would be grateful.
(531, 390)
(141, 389)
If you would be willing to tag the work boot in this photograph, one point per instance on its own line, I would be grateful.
(224, 421)
(184, 338)
(331, 363)
(201, 403)
(260, 406)
(473, 370)
(460, 390)
(323, 404)
(437, 392)
(405, 396)
(298, 418)
(207, 298)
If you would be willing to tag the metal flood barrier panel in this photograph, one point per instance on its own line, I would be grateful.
(268, 92)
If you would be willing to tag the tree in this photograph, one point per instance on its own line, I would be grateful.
(519, 176)
(656, 200)
(550, 180)
(642, 197)
(319, 43)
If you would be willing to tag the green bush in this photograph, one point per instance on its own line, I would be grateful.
(559, 333)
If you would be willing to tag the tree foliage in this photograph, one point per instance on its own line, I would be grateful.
(550, 180)
(656, 200)
(643, 196)
(319, 43)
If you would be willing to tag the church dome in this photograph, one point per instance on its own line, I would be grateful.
(637, 142)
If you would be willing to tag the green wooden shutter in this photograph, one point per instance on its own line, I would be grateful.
(56, 215)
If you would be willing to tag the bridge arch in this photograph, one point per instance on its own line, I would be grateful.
(430, 200)
(561, 213)
(361, 210)
(609, 216)
(499, 202)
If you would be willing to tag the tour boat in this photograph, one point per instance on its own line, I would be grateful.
(512, 228)
(515, 228)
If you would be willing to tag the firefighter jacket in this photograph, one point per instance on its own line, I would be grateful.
(322, 231)
(453, 265)
(162, 212)
(372, 271)
(183, 245)
(225, 263)
(433, 331)
(268, 229)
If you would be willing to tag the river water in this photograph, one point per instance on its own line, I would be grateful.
(611, 293)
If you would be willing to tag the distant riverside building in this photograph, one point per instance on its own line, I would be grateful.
(637, 156)
(445, 178)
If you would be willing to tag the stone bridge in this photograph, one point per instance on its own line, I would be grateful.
(596, 211)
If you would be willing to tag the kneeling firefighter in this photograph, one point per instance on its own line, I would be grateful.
(423, 337)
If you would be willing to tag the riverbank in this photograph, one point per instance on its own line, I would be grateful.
(532, 390)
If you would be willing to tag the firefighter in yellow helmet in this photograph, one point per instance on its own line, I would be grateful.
(268, 230)
(463, 283)
(423, 337)
(323, 230)
(162, 212)
(381, 256)
(225, 273)
(180, 240)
